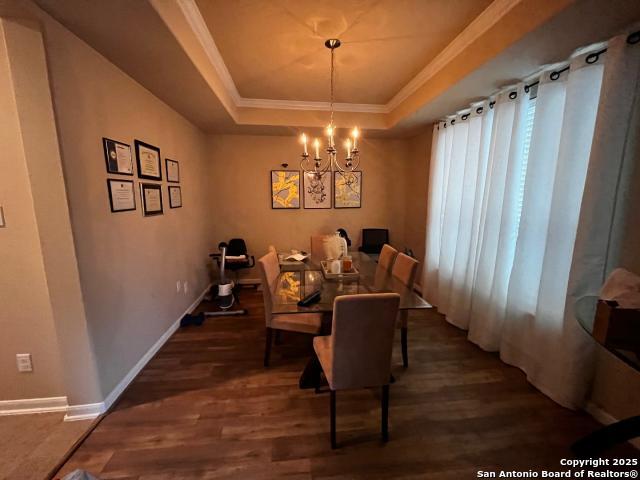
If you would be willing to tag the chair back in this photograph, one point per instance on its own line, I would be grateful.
(362, 339)
(387, 257)
(373, 239)
(269, 270)
(317, 247)
(237, 247)
(272, 249)
(405, 269)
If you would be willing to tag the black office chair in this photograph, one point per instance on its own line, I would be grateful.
(373, 239)
(237, 258)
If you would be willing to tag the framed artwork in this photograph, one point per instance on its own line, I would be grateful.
(173, 170)
(121, 195)
(118, 157)
(151, 194)
(347, 188)
(285, 189)
(317, 190)
(148, 160)
(175, 197)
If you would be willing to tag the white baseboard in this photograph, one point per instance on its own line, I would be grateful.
(33, 405)
(92, 410)
(88, 411)
(606, 418)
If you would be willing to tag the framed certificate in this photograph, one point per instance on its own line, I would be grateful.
(121, 196)
(151, 195)
(173, 170)
(148, 160)
(118, 157)
(175, 197)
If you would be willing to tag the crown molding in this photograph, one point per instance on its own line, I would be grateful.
(199, 26)
(310, 105)
(480, 25)
(489, 17)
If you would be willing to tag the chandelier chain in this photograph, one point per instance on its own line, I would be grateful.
(331, 83)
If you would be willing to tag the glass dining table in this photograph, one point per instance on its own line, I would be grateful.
(299, 279)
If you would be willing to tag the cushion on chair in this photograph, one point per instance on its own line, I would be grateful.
(298, 322)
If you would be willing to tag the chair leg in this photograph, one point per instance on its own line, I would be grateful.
(267, 345)
(385, 413)
(278, 339)
(405, 349)
(332, 414)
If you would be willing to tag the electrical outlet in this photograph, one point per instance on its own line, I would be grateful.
(178, 286)
(185, 285)
(23, 361)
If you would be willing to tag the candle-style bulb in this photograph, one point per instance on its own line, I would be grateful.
(316, 143)
(303, 138)
(356, 134)
(330, 134)
(347, 145)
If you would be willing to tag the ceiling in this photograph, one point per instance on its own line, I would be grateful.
(275, 49)
(260, 66)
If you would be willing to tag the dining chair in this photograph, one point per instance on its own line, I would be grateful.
(387, 256)
(317, 247)
(272, 249)
(357, 354)
(405, 269)
(295, 322)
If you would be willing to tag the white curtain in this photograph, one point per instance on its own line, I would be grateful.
(510, 226)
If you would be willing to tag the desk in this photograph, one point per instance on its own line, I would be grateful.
(299, 280)
(595, 443)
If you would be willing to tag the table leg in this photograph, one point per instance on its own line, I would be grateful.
(310, 377)
(595, 443)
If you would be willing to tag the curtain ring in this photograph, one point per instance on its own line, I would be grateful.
(479, 110)
(445, 125)
(554, 75)
(633, 38)
(526, 89)
(491, 104)
(453, 121)
(513, 95)
(465, 116)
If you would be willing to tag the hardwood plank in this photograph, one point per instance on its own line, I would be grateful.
(205, 408)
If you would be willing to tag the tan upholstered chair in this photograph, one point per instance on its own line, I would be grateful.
(295, 322)
(387, 256)
(405, 269)
(317, 247)
(357, 354)
(272, 249)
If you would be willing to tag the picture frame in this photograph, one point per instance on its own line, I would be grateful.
(151, 197)
(317, 190)
(122, 196)
(148, 161)
(347, 189)
(285, 189)
(172, 168)
(117, 156)
(175, 196)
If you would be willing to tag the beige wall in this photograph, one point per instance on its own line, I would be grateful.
(128, 265)
(26, 318)
(417, 194)
(241, 193)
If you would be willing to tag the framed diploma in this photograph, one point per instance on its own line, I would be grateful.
(173, 170)
(118, 157)
(148, 160)
(175, 197)
(151, 194)
(121, 196)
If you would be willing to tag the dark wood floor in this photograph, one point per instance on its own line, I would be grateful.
(205, 408)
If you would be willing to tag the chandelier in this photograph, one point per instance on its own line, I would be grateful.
(318, 166)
